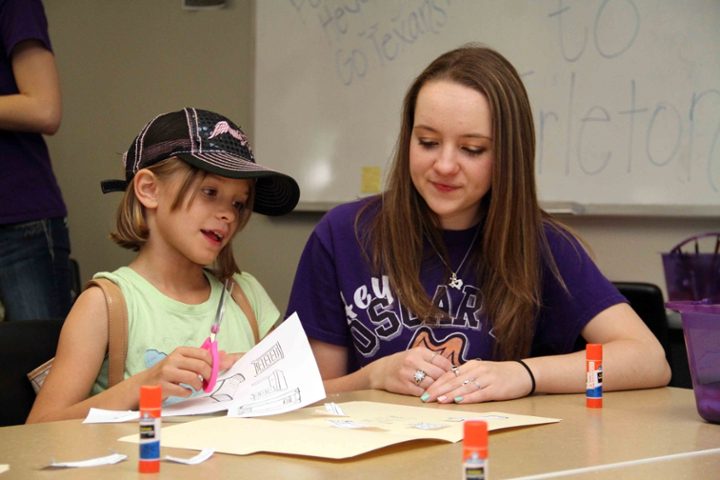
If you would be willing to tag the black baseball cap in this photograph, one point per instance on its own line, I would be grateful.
(212, 143)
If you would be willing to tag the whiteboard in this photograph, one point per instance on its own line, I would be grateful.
(625, 93)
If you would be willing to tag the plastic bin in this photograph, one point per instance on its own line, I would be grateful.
(691, 274)
(701, 329)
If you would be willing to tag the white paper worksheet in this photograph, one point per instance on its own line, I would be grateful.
(277, 375)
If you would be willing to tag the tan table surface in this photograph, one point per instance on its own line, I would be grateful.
(632, 426)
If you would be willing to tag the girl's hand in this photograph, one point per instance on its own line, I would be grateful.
(397, 373)
(227, 360)
(185, 365)
(480, 381)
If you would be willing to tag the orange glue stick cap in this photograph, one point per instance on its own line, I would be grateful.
(475, 439)
(594, 351)
(150, 397)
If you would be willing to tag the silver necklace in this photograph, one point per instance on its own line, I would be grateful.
(456, 282)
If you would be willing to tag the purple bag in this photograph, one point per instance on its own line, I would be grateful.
(693, 275)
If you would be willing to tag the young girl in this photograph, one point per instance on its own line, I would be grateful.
(454, 285)
(191, 183)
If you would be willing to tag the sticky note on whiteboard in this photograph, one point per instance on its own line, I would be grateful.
(370, 180)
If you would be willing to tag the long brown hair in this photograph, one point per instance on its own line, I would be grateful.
(131, 230)
(513, 240)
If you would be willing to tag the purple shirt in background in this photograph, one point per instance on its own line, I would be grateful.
(341, 303)
(28, 188)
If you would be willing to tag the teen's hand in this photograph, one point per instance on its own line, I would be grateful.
(185, 365)
(480, 381)
(409, 372)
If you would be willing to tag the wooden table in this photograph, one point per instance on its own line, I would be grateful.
(632, 427)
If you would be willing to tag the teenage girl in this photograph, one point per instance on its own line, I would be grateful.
(453, 285)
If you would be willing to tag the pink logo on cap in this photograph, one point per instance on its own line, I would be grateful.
(224, 127)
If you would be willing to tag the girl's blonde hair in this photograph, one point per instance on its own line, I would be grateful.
(131, 230)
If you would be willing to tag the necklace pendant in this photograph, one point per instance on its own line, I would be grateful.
(455, 282)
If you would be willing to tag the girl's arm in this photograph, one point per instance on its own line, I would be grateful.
(632, 358)
(80, 354)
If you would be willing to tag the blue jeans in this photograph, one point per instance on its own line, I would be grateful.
(35, 275)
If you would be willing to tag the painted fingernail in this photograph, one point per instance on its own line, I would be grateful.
(425, 396)
(458, 399)
(442, 398)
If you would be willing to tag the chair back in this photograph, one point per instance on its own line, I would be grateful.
(24, 344)
(75, 274)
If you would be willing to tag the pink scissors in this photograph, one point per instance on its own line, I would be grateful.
(210, 344)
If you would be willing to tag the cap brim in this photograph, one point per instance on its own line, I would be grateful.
(275, 193)
(108, 186)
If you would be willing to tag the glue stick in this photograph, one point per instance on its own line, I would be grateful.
(150, 422)
(475, 450)
(594, 375)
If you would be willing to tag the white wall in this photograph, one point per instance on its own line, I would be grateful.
(121, 62)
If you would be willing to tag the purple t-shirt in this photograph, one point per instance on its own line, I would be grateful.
(28, 188)
(340, 302)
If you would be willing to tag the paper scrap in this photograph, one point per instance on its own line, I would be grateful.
(204, 454)
(334, 409)
(370, 180)
(349, 424)
(91, 462)
(99, 415)
(428, 426)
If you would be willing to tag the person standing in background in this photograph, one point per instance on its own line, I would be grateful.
(35, 275)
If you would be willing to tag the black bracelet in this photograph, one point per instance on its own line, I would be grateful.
(532, 377)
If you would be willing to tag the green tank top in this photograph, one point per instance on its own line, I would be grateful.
(157, 324)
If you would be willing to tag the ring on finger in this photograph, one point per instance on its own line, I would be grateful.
(455, 370)
(474, 382)
(466, 381)
(419, 376)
